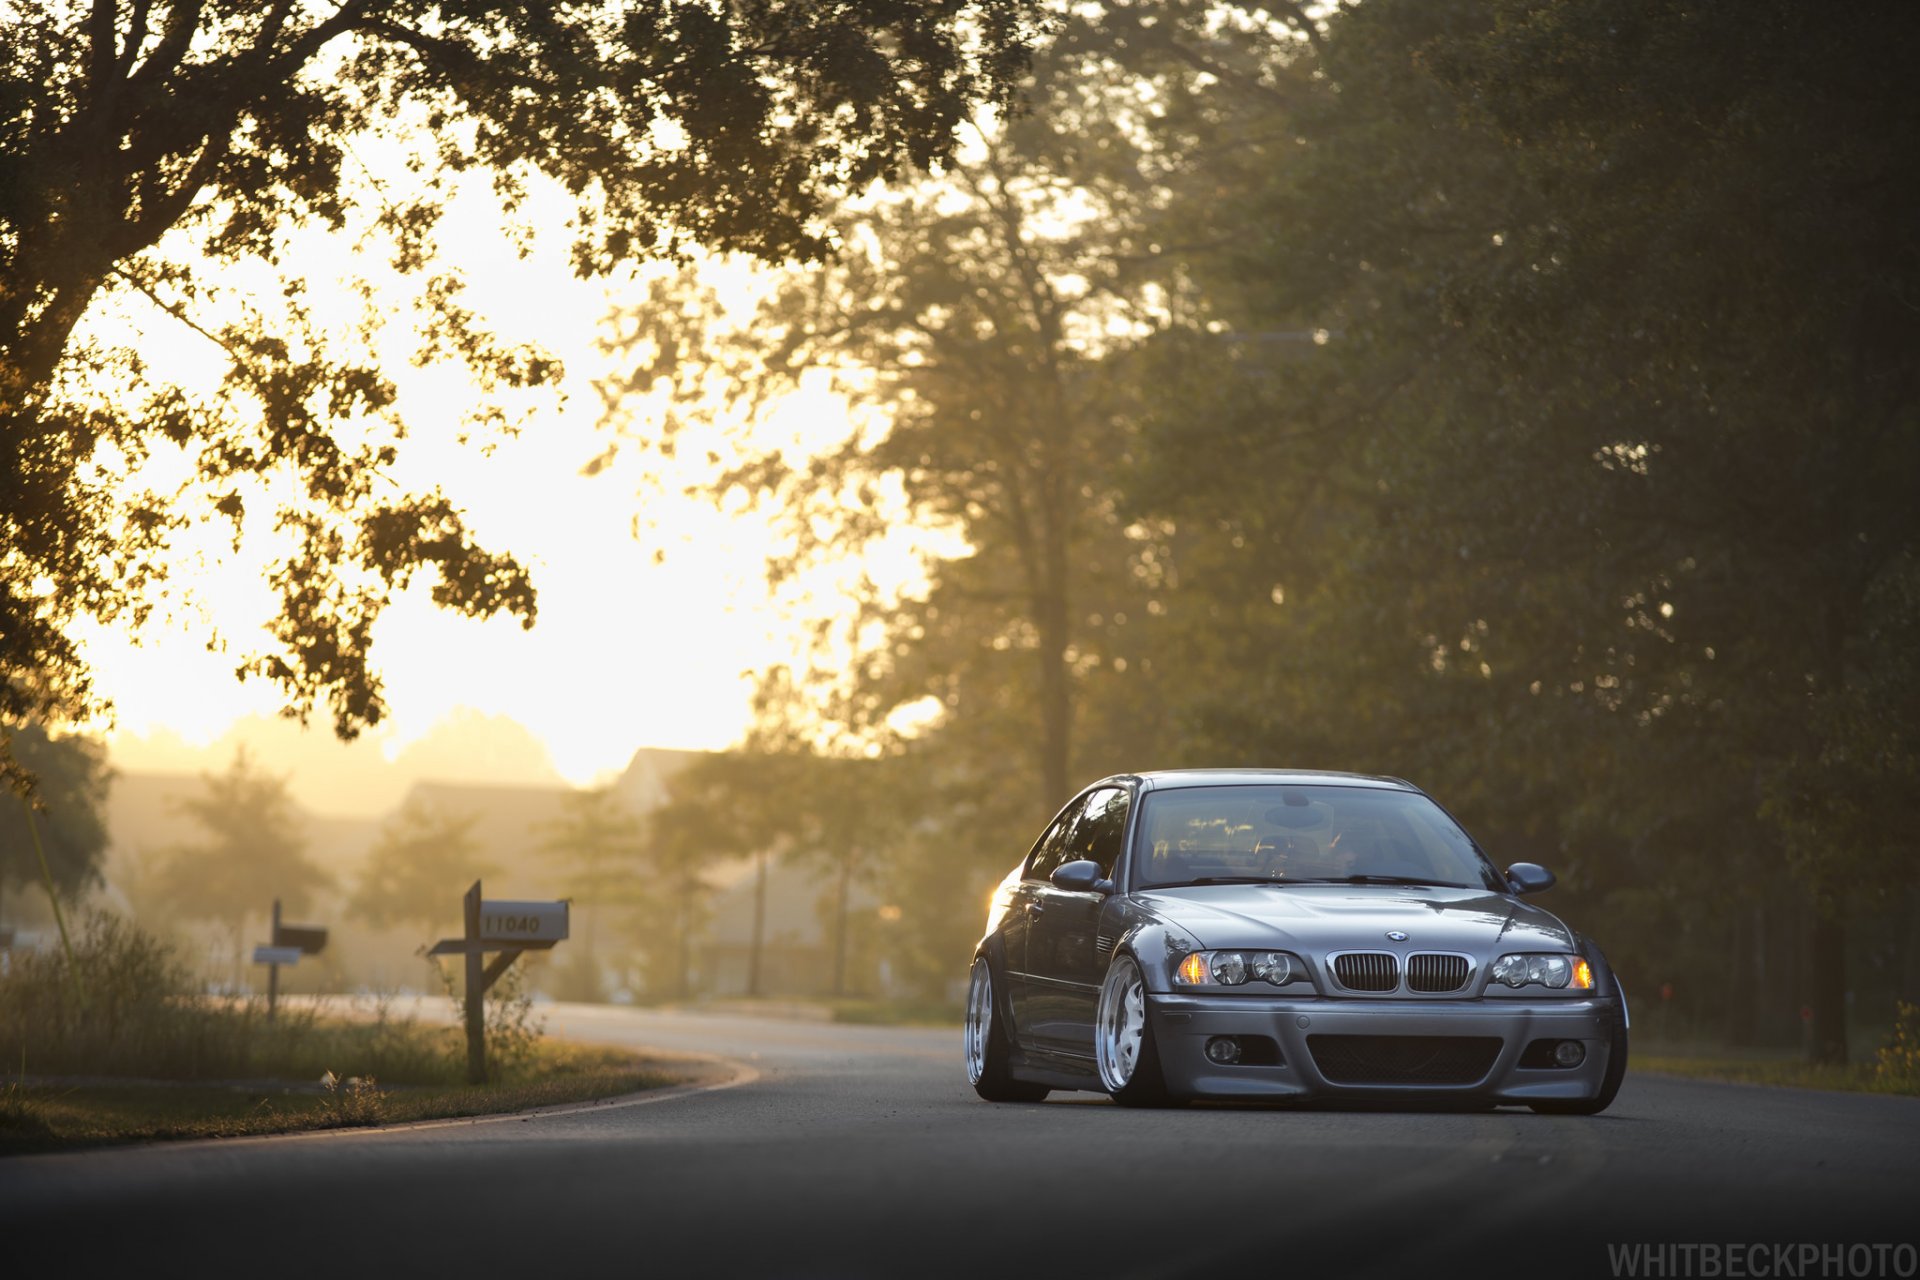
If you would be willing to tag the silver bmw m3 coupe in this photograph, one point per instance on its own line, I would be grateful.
(1267, 934)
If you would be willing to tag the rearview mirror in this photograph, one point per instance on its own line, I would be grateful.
(1529, 877)
(1080, 876)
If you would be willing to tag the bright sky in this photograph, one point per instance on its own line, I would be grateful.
(629, 650)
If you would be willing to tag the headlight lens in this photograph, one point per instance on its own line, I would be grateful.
(1237, 968)
(1547, 970)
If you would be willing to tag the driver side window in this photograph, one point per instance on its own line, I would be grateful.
(1098, 836)
(1054, 847)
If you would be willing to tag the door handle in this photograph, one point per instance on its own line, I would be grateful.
(1036, 908)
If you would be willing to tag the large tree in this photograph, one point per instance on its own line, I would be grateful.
(1622, 342)
(66, 817)
(974, 323)
(149, 147)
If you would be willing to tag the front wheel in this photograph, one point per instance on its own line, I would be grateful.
(1124, 1050)
(986, 1045)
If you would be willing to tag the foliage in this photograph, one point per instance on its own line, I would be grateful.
(719, 808)
(253, 853)
(1897, 1065)
(966, 321)
(1573, 501)
(1514, 395)
(135, 1011)
(418, 868)
(150, 150)
(69, 799)
(597, 842)
(510, 1026)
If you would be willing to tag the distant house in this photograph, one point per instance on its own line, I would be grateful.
(514, 822)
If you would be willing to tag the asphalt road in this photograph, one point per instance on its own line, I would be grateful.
(845, 1151)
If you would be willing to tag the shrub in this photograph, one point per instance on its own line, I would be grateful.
(1898, 1065)
(128, 1008)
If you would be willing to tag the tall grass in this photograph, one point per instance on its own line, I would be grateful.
(134, 1012)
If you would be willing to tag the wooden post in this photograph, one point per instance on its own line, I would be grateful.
(476, 992)
(273, 970)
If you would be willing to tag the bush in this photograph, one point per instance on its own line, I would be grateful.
(128, 1008)
(1898, 1065)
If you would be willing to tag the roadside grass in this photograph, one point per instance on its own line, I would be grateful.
(120, 1047)
(908, 1013)
(53, 1115)
(1857, 1077)
(1894, 1068)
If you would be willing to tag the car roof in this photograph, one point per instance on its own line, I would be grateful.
(1159, 779)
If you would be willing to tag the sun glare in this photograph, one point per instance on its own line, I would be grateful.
(647, 640)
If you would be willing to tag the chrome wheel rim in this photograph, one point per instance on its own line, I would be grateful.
(979, 1020)
(1123, 1024)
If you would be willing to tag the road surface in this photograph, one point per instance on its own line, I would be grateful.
(845, 1151)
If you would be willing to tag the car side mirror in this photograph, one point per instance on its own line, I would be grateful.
(1080, 876)
(1529, 877)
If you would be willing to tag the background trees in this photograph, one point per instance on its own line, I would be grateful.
(1516, 395)
(1620, 469)
(253, 852)
(149, 147)
(596, 841)
(416, 872)
(69, 816)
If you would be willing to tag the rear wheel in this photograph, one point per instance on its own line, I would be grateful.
(986, 1045)
(1609, 1083)
(1124, 1050)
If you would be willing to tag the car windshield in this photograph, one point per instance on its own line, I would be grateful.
(1283, 833)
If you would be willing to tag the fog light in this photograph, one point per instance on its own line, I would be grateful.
(1223, 1051)
(1569, 1053)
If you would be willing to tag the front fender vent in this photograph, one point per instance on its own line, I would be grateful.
(1367, 970)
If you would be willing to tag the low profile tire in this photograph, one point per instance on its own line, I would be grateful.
(1123, 1046)
(1609, 1083)
(986, 1045)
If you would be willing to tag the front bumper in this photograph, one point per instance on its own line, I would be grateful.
(1183, 1024)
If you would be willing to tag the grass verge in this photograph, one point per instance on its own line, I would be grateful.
(1859, 1077)
(56, 1116)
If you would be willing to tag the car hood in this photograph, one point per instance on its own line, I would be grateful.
(1321, 918)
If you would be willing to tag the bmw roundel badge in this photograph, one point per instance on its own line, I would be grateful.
(1396, 936)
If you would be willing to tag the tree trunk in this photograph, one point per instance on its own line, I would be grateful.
(759, 924)
(1051, 613)
(1829, 997)
(683, 962)
(1744, 977)
(840, 927)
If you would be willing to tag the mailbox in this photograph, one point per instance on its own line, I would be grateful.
(307, 939)
(508, 921)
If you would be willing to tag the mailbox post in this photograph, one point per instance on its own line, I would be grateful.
(507, 928)
(289, 943)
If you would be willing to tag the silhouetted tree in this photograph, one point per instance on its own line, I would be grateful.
(150, 147)
(69, 803)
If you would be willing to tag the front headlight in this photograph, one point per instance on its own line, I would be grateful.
(1547, 970)
(1237, 968)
